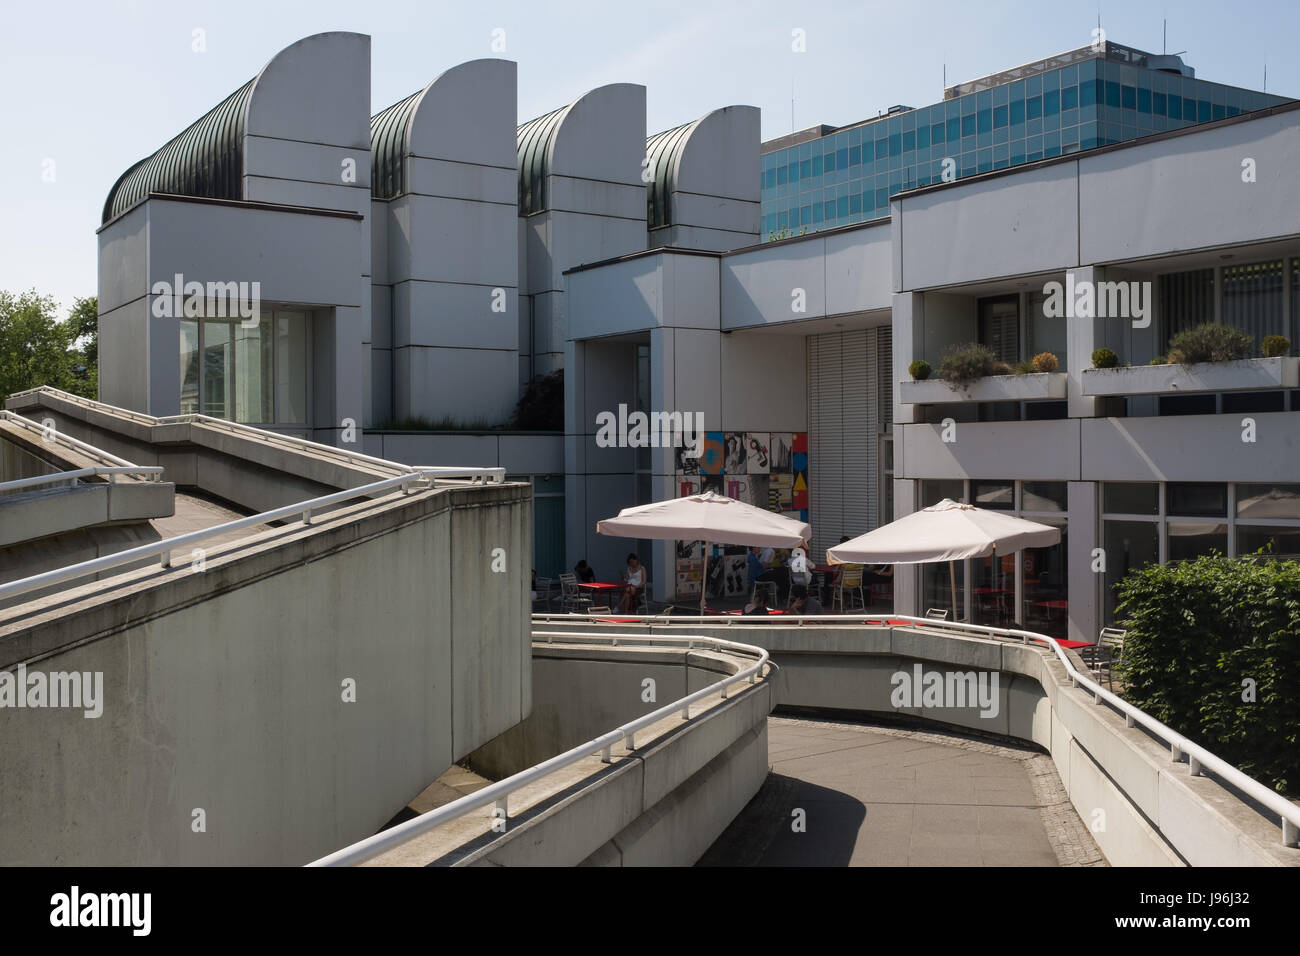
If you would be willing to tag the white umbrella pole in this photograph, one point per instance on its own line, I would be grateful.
(952, 581)
(704, 582)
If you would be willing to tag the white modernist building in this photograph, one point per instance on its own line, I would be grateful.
(427, 262)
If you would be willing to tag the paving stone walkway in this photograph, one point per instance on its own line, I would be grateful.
(877, 795)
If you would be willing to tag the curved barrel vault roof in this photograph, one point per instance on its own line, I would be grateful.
(561, 141)
(697, 157)
(206, 159)
(445, 120)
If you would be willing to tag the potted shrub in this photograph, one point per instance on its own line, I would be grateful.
(963, 364)
(1210, 342)
(1024, 367)
(1159, 360)
(1275, 346)
(919, 370)
(1104, 358)
(1045, 362)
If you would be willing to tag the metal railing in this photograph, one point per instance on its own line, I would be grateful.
(150, 473)
(1199, 759)
(54, 435)
(263, 435)
(303, 509)
(499, 792)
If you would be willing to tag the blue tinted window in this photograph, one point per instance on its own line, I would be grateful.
(792, 172)
(936, 133)
(829, 209)
(923, 137)
(909, 141)
(855, 155)
(1112, 93)
(1176, 107)
(954, 129)
(805, 168)
(1051, 102)
(882, 148)
(1158, 104)
(1189, 109)
(1034, 108)
(1017, 111)
(817, 213)
(855, 204)
(968, 125)
(1128, 97)
(817, 165)
(1144, 100)
(1202, 111)
(782, 174)
(842, 206)
(1069, 97)
(769, 178)
(999, 117)
(895, 144)
(1219, 111)
(984, 121)
(1232, 110)
(829, 165)
(842, 158)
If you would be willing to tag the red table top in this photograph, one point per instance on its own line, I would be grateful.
(1055, 605)
(598, 585)
(1072, 644)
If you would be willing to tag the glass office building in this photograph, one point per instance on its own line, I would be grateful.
(1076, 101)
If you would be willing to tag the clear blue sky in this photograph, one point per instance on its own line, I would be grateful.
(97, 84)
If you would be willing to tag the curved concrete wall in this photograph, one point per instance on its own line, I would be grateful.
(662, 805)
(223, 691)
(1143, 809)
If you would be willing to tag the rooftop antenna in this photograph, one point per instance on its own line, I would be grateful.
(1164, 36)
(792, 102)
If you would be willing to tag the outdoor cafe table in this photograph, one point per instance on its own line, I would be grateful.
(596, 587)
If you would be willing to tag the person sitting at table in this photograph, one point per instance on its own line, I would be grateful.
(775, 572)
(758, 605)
(584, 572)
(878, 574)
(634, 575)
(804, 603)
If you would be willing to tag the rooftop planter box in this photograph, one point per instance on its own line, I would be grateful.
(992, 388)
(1257, 373)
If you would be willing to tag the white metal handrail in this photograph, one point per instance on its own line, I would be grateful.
(153, 472)
(260, 434)
(163, 549)
(499, 792)
(53, 434)
(1199, 759)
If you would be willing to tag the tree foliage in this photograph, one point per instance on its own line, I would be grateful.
(36, 348)
(1213, 650)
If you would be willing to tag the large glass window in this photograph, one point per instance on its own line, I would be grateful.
(1047, 587)
(1191, 539)
(254, 373)
(999, 326)
(1252, 299)
(1201, 500)
(1186, 299)
(1131, 498)
(1128, 546)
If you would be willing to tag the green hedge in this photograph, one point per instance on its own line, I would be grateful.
(1196, 631)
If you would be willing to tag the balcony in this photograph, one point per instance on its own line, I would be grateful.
(1245, 375)
(992, 388)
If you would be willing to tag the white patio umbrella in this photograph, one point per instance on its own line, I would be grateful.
(708, 517)
(948, 531)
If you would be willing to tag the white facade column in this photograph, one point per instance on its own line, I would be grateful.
(908, 339)
(1084, 584)
(906, 576)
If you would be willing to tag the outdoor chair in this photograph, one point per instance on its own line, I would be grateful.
(571, 596)
(768, 588)
(600, 609)
(1108, 651)
(850, 584)
(937, 614)
(545, 592)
